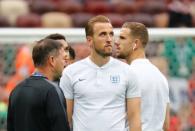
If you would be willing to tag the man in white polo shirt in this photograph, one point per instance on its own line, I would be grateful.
(154, 87)
(101, 91)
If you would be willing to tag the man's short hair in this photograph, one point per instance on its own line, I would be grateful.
(90, 24)
(72, 53)
(138, 30)
(43, 49)
(56, 36)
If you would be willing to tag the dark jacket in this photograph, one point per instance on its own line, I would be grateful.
(34, 105)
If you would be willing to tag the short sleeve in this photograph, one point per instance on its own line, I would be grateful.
(66, 85)
(133, 89)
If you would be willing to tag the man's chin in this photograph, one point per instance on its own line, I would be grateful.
(57, 78)
(120, 56)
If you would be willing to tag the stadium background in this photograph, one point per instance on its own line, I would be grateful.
(172, 50)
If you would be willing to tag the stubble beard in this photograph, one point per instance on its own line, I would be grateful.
(122, 55)
(57, 76)
(102, 53)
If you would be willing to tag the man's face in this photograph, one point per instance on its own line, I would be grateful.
(66, 49)
(102, 39)
(124, 44)
(60, 63)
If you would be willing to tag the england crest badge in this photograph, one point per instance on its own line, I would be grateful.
(115, 79)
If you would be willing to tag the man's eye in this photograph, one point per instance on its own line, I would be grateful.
(121, 37)
(102, 34)
(66, 49)
(112, 34)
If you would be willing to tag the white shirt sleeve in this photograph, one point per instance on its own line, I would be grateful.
(133, 89)
(66, 85)
(167, 91)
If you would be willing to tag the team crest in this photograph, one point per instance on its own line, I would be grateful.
(115, 79)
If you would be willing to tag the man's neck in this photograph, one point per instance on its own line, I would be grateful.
(139, 53)
(45, 72)
(98, 59)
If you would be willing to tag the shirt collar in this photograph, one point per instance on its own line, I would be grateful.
(96, 66)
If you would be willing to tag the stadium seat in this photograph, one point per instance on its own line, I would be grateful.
(12, 9)
(154, 7)
(140, 17)
(42, 6)
(116, 19)
(4, 21)
(69, 6)
(29, 20)
(97, 7)
(124, 7)
(56, 20)
(80, 19)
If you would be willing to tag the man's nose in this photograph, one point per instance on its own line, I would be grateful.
(67, 55)
(116, 43)
(109, 38)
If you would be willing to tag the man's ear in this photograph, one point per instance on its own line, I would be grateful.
(136, 44)
(51, 61)
(90, 41)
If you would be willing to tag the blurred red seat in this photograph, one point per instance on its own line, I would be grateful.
(80, 19)
(116, 19)
(142, 18)
(69, 6)
(4, 21)
(125, 7)
(154, 7)
(97, 7)
(28, 20)
(42, 6)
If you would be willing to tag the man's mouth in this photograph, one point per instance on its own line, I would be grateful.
(108, 46)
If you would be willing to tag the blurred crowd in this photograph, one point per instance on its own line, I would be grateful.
(75, 13)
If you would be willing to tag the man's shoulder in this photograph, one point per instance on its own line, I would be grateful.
(36, 81)
(119, 62)
(77, 64)
(120, 66)
(31, 83)
(76, 67)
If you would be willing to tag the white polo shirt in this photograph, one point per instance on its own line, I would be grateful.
(154, 94)
(99, 94)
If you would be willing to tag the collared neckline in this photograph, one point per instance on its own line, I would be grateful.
(96, 66)
(38, 74)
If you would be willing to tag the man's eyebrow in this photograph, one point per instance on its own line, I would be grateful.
(102, 33)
